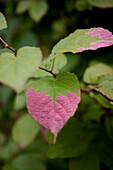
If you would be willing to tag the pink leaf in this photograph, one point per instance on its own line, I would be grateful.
(51, 115)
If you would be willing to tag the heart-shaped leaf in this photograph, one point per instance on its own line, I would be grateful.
(3, 23)
(84, 39)
(52, 101)
(92, 73)
(15, 71)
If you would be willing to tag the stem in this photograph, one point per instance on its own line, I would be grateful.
(7, 46)
(53, 64)
(49, 71)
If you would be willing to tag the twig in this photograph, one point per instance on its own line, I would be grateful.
(49, 71)
(87, 90)
(53, 64)
(7, 46)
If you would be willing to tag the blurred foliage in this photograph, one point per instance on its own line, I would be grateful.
(86, 141)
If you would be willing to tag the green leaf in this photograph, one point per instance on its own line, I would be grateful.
(92, 73)
(15, 71)
(5, 50)
(23, 6)
(89, 161)
(94, 112)
(38, 10)
(105, 86)
(72, 141)
(37, 146)
(59, 26)
(101, 3)
(60, 62)
(25, 130)
(49, 136)
(82, 5)
(8, 167)
(29, 162)
(84, 39)
(8, 150)
(101, 99)
(19, 101)
(3, 22)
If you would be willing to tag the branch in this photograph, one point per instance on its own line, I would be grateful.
(7, 46)
(88, 90)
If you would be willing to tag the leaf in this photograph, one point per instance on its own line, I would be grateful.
(84, 39)
(101, 3)
(5, 50)
(38, 10)
(29, 162)
(19, 102)
(92, 73)
(8, 150)
(3, 22)
(52, 101)
(60, 62)
(82, 5)
(89, 161)
(101, 76)
(94, 112)
(8, 167)
(15, 71)
(72, 140)
(37, 146)
(101, 100)
(105, 86)
(25, 130)
(23, 6)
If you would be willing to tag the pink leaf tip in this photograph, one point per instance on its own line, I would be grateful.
(105, 39)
